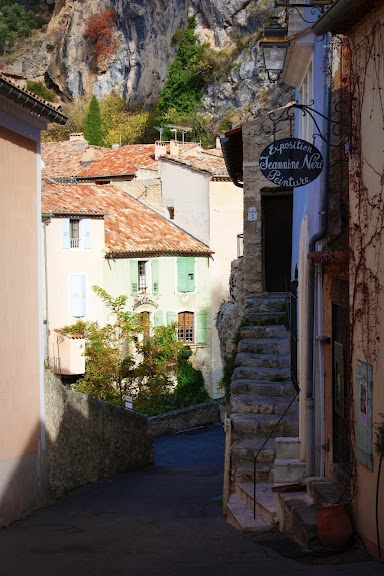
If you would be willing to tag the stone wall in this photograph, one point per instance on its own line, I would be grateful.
(88, 439)
(230, 314)
(184, 419)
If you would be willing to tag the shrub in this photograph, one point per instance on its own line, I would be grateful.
(100, 29)
(41, 90)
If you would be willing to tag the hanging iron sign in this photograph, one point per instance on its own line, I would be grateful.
(291, 162)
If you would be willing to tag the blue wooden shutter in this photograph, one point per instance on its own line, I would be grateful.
(185, 274)
(86, 232)
(201, 327)
(155, 276)
(65, 232)
(78, 295)
(134, 276)
(364, 413)
(159, 318)
(171, 317)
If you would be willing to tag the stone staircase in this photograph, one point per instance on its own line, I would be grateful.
(261, 391)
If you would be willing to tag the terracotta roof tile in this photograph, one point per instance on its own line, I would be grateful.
(64, 159)
(211, 161)
(131, 228)
(122, 161)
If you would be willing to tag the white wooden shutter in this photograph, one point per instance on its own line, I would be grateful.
(86, 232)
(65, 232)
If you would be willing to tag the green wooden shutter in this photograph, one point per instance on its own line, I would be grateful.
(201, 327)
(171, 317)
(134, 277)
(155, 276)
(159, 318)
(185, 274)
(190, 274)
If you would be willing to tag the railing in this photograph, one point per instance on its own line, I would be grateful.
(55, 364)
(75, 242)
(260, 449)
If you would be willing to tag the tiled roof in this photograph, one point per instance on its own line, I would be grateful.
(63, 159)
(36, 105)
(131, 228)
(123, 161)
(211, 161)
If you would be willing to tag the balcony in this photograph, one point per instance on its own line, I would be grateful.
(75, 242)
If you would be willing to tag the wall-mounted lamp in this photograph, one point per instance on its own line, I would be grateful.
(274, 46)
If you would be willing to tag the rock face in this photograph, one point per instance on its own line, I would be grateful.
(60, 54)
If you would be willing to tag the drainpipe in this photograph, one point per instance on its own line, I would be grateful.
(309, 399)
(45, 224)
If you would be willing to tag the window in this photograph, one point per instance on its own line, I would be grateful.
(76, 233)
(144, 276)
(171, 212)
(77, 295)
(186, 274)
(145, 323)
(74, 228)
(185, 327)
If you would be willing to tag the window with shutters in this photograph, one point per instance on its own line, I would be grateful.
(78, 295)
(76, 233)
(144, 276)
(185, 327)
(186, 274)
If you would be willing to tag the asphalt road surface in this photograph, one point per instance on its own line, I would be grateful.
(164, 520)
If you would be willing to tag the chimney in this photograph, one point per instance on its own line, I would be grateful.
(174, 147)
(160, 149)
(76, 137)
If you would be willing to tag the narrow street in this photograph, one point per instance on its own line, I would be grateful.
(164, 520)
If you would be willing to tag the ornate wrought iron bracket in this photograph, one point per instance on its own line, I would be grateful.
(334, 137)
(316, 8)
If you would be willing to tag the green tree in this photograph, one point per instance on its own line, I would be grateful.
(122, 125)
(184, 85)
(120, 361)
(92, 125)
(109, 351)
(15, 22)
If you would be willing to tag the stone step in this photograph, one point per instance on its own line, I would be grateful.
(289, 470)
(297, 516)
(266, 304)
(261, 425)
(248, 404)
(265, 499)
(241, 517)
(262, 388)
(323, 491)
(245, 473)
(287, 447)
(262, 373)
(264, 345)
(264, 332)
(244, 359)
(257, 318)
(244, 451)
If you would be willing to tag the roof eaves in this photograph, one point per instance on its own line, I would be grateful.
(31, 101)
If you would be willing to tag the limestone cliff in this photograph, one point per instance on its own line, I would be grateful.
(59, 53)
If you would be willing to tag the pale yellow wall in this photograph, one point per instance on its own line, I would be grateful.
(117, 281)
(19, 297)
(60, 264)
(369, 334)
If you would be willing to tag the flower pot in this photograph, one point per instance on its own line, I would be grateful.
(334, 526)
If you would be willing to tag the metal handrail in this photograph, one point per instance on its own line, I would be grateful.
(260, 449)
